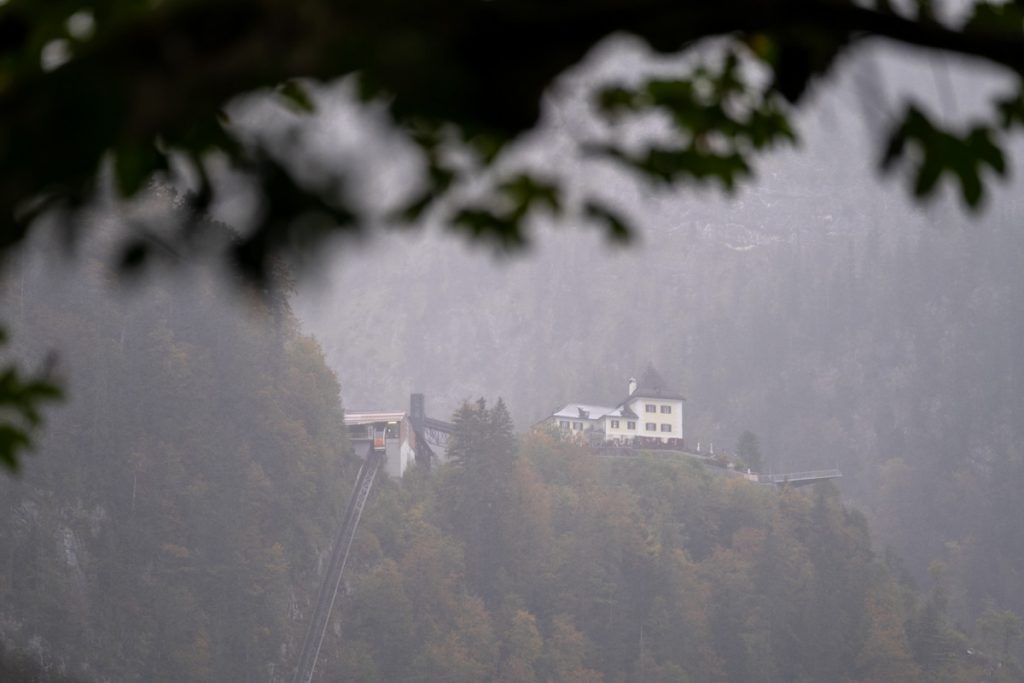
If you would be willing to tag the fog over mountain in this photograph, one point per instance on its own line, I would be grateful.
(819, 307)
(188, 501)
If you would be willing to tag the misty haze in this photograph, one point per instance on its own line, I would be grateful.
(349, 397)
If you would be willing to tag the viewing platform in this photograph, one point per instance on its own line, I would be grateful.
(794, 479)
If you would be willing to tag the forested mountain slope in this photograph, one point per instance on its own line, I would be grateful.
(547, 562)
(843, 329)
(170, 525)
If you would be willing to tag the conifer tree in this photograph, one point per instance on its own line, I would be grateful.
(748, 449)
(482, 455)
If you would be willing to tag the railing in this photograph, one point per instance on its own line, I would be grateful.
(795, 478)
(335, 569)
(798, 476)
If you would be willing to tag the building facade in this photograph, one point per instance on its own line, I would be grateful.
(408, 437)
(650, 414)
(399, 438)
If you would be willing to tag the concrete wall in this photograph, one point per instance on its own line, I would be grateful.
(674, 419)
(623, 431)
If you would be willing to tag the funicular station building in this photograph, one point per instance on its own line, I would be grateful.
(405, 437)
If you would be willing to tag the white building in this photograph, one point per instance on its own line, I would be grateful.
(650, 414)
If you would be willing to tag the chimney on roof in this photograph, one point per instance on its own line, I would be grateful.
(632, 385)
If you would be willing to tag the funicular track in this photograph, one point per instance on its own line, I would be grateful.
(336, 568)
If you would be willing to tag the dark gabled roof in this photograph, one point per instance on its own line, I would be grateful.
(652, 385)
(652, 379)
(641, 392)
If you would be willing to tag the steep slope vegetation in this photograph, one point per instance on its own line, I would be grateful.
(551, 563)
(842, 330)
(169, 527)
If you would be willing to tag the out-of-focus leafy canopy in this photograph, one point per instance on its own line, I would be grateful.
(21, 398)
(139, 82)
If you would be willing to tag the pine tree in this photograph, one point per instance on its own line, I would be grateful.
(748, 449)
(931, 637)
(482, 455)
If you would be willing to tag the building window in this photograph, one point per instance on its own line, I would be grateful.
(651, 427)
(578, 426)
(651, 408)
(631, 425)
(564, 424)
(666, 409)
(666, 428)
(360, 431)
(615, 424)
